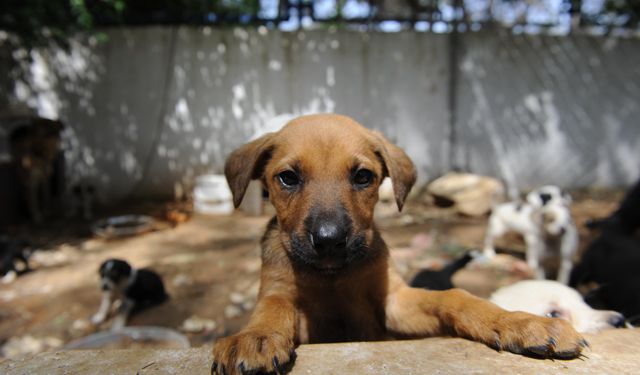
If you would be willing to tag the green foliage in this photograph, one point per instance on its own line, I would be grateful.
(39, 22)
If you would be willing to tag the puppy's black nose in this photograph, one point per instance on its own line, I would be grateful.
(544, 197)
(328, 236)
(617, 321)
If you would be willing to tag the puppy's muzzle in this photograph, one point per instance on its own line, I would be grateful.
(617, 321)
(328, 242)
(328, 238)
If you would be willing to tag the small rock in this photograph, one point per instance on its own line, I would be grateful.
(195, 324)
(181, 280)
(237, 298)
(232, 311)
(17, 346)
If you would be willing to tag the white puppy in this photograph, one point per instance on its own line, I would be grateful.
(544, 215)
(555, 300)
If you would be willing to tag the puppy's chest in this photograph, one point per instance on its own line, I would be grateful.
(338, 319)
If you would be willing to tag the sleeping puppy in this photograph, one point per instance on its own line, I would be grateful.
(136, 289)
(555, 300)
(441, 279)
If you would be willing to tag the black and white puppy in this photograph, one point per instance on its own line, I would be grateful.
(136, 289)
(544, 216)
(14, 258)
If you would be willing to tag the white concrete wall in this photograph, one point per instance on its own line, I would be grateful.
(156, 106)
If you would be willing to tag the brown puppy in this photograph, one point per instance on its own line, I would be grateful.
(326, 274)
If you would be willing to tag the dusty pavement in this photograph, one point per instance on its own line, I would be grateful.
(210, 266)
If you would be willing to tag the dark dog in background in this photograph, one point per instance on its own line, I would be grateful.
(609, 271)
(441, 279)
(35, 150)
(626, 219)
(136, 289)
(14, 257)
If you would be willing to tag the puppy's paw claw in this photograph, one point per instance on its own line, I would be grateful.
(540, 337)
(249, 353)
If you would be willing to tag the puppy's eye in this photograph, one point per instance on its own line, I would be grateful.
(289, 179)
(554, 314)
(363, 178)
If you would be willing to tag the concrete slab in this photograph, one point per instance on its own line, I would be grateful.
(612, 352)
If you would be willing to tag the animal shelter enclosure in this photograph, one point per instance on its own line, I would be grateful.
(272, 185)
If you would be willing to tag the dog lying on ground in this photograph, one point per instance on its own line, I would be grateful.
(326, 274)
(441, 279)
(608, 274)
(555, 300)
(543, 218)
(608, 271)
(136, 289)
(14, 258)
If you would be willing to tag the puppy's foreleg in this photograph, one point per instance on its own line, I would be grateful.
(264, 345)
(568, 247)
(416, 312)
(103, 310)
(123, 314)
(494, 230)
(535, 249)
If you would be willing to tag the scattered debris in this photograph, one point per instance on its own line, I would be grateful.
(18, 346)
(62, 255)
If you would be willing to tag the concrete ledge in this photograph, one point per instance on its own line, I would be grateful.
(612, 352)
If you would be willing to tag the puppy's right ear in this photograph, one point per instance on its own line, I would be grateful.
(246, 164)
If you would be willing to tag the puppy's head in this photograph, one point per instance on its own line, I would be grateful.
(556, 300)
(114, 273)
(322, 173)
(556, 219)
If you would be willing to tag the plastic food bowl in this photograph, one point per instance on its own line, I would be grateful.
(144, 337)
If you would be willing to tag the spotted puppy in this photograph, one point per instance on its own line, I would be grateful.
(135, 288)
(543, 220)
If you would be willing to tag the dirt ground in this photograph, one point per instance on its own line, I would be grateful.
(210, 266)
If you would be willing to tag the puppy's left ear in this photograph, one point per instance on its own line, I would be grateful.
(246, 164)
(397, 165)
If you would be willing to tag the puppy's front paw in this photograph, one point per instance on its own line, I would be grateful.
(538, 337)
(251, 352)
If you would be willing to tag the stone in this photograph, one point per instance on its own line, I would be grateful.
(611, 352)
(470, 194)
(196, 324)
